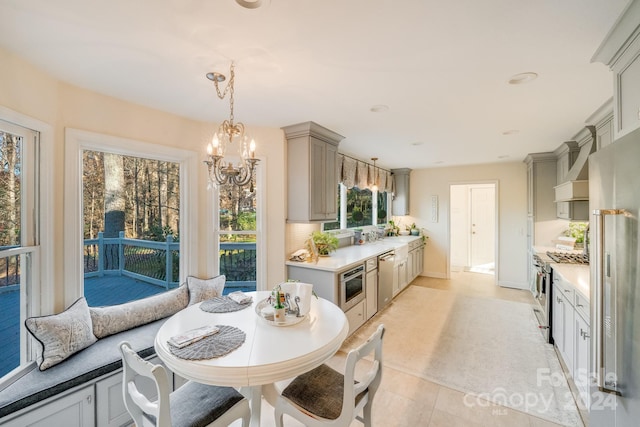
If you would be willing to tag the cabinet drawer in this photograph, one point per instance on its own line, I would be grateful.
(355, 316)
(371, 264)
(565, 288)
(582, 306)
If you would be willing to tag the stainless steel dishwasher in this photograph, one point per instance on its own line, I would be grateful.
(386, 273)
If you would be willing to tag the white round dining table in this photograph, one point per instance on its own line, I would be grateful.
(269, 354)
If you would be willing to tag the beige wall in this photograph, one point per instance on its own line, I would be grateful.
(512, 212)
(31, 92)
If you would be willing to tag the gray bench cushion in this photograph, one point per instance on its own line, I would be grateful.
(94, 361)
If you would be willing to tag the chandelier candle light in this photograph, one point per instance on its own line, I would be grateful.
(221, 172)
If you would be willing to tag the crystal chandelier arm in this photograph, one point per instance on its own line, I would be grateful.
(217, 170)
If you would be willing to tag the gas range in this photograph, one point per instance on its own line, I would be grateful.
(568, 258)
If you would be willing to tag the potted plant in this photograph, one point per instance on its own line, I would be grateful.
(414, 230)
(324, 242)
(393, 229)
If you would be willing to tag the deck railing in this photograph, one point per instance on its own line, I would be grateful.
(158, 262)
(9, 269)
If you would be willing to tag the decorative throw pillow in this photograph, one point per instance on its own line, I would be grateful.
(63, 334)
(204, 289)
(112, 319)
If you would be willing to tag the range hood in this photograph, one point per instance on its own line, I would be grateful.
(576, 185)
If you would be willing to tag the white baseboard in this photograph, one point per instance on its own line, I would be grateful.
(434, 275)
(513, 285)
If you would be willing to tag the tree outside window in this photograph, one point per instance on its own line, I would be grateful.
(361, 204)
(131, 209)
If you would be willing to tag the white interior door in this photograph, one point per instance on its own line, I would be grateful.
(482, 242)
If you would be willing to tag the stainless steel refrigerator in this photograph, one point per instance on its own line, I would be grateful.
(614, 202)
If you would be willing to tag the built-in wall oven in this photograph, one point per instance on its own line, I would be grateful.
(352, 287)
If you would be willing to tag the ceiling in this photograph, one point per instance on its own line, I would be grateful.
(441, 67)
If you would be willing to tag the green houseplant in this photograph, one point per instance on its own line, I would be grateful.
(324, 242)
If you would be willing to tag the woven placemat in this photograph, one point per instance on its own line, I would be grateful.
(222, 304)
(225, 341)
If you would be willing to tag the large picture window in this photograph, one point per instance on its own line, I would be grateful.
(133, 232)
(131, 209)
(237, 234)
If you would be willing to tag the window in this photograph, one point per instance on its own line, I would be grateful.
(131, 209)
(237, 235)
(19, 240)
(363, 207)
(153, 246)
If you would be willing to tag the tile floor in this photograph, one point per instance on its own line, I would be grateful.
(404, 400)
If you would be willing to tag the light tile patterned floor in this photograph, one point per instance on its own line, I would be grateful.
(404, 400)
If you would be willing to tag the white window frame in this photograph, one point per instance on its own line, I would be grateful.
(374, 211)
(213, 260)
(37, 298)
(76, 142)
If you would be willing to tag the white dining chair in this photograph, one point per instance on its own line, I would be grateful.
(193, 404)
(325, 397)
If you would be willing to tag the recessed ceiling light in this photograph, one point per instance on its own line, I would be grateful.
(503, 157)
(522, 78)
(252, 4)
(511, 132)
(415, 144)
(380, 108)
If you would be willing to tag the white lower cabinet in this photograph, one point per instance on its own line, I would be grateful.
(371, 283)
(581, 366)
(356, 316)
(76, 409)
(571, 334)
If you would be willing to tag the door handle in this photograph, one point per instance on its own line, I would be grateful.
(598, 342)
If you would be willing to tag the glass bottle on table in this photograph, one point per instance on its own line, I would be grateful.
(279, 311)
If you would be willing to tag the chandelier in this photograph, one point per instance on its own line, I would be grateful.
(228, 133)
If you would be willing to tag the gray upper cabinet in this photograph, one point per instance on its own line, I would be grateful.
(541, 178)
(400, 205)
(604, 132)
(312, 173)
(620, 50)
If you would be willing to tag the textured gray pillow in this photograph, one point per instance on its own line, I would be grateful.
(204, 289)
(62, 334)
(112, 319)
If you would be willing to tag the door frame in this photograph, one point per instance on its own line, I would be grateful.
(496, 224)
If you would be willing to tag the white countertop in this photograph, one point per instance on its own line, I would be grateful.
(349, 256)
(545, 249)
(576, 274)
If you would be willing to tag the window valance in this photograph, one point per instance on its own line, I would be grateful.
(356, 173)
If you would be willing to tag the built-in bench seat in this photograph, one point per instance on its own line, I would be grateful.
(136, 322)
(99, 359)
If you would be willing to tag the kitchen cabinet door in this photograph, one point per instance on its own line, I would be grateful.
(582, 358)
(312, 175)
(73, 410)
(400, 203)
(620, 50)
(371, 282)
(558, 308)
(563, 326)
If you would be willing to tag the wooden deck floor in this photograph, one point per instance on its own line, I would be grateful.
(108, 290)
